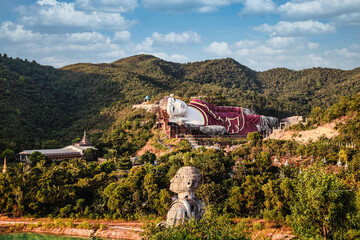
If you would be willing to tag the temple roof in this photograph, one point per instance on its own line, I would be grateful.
(60, 151)
(68, 150)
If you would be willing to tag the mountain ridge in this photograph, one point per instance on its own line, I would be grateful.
(41, 102)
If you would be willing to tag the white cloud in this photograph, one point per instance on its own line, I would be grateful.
(170, 57)
(312, 60)
(312, 45)
(218, 48)
(158, 40)
(246, 43)
(115, 53)
(58, 49)
(107, 5)
(179, 38)
(122, 36)
(86, 37)
(345, 58)
(252, 7)
(281, 42)
(146, 45)
(296, 28)
(318, 8)
(293, 53)
(53, 13)
(202, 6)
(289, 52)
(10, 32)
(265, 57)
(47, 2)
(355, 47)
(207, 9)
(343, 53)
(348, 19)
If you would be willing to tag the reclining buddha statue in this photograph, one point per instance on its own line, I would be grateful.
(215, 119)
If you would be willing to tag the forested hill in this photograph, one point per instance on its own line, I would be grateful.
(38, 102)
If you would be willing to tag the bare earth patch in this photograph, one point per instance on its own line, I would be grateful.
(328, 130)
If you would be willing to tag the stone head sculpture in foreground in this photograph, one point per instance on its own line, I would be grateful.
(187, 206)
(215, 119)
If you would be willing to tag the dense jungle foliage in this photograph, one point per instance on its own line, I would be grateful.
(318, 199)
(44, 107)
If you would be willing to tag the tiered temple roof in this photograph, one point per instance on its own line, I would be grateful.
(84, 141)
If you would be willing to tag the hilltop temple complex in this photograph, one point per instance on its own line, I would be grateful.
(76, 150)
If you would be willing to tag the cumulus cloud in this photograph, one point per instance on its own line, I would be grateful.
(289, 52)
(107, 5)
(53, 13)
(246, 43)
(350, 57)
(347, 19)
(180, 38)
(265, 57)
(312, 45)
(10, 32)
(58, 49)
(160, 40)
(218, 48)
(86, 37)
(122, 36)
(170, 57)
(146, 45)
(201, 6)
(252, 7)
(47, 2)
(355, 47)
(281, 42)
(343, 53)
(318, 8)
(296, 28)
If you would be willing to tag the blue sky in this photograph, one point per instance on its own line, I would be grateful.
(261, 34)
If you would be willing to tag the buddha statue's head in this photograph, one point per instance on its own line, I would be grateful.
(185, 181)
(173, 107)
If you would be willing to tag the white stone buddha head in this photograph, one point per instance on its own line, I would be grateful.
(185, 182)
(173, 107)
(176, 107)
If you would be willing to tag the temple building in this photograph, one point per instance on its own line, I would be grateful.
(72, 151)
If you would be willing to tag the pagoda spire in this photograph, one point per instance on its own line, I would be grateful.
(4, 168)
(84, 141)
(339, 163)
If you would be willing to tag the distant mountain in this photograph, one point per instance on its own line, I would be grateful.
(38, 102)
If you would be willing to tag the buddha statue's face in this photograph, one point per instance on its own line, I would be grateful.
(186, 179)
(176, 107)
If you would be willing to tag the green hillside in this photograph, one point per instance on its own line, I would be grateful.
(40, 103)
(302, 90)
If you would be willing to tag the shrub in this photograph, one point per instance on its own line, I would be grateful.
(84, 225)
(210, 227)
(258, 226)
